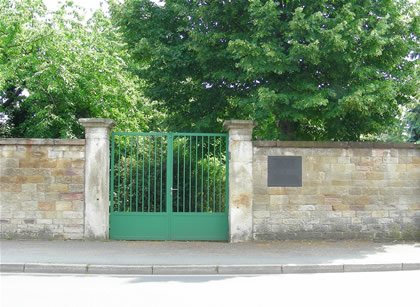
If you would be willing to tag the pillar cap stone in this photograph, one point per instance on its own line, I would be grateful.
(239, 124)
(97, 122)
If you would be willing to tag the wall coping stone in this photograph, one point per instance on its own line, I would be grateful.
(239, 124)
(97, 123)
(306, 144)
(18, 141)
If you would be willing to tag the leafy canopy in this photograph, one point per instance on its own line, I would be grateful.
(316, 70)
(56, 68)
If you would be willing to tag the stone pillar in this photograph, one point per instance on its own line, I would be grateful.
(240, 179)
(97, 176)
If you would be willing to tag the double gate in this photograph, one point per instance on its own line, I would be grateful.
(169, 186)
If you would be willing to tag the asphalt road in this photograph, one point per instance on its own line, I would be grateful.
(330, 289)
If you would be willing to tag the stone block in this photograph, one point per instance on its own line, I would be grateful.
(74, 155)
(77, 179)
(44, 221)
(64, 205)
(71, 196)
(279, 199)
(46, 206)
(277, 191)
(262, 228)
(390, 160)
(58, 187)
(261, 214)
(288, 207)
(9, 163)
(5, 214)
(29, 205)
(80, 163)
(380, 214)
(44, 214)
(48, 164)
(64, 163)
(291, 221)
(73, 221)
(54, 154)
(340, 207)
(78, 205)
(259, 207)
(375, 176)
(307, 207)
(31, 179)
(9, 228)
(356, 220)
(63, 179)
(54, 228)
(72, 215)
(300, 214)
(59, 172)
(29, 187)
(8, 148)
(51, 196)
(323, 207)
(18, 214)
(76, 188)
(73, 229)
(73, 236)
(274, 207)
(333, 214)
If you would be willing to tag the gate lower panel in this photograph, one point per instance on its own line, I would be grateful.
(134, 226)
(210, 226)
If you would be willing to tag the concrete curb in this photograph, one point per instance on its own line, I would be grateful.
(225, 269)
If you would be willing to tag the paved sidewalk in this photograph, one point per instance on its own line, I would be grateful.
(265, 257)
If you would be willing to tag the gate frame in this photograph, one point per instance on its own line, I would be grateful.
(170, 216)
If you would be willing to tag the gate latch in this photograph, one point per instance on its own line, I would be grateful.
(172, 189)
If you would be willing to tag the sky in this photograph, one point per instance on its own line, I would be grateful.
(91, 4)
(87, 4)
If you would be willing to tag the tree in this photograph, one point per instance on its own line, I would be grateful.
(309, 70)
(56, 68)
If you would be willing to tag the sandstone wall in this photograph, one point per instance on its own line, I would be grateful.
(349, 191)
(42, 188)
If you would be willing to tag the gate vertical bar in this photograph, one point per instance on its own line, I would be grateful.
(161, 173)
(221, 174)
(148, 178)
(169, 179)
(125, 176)
(142, 174)
(208, 175)
(183, 184)
(119, 172)
(155, 202)
(177, 179)
(214, 174)
(190, 173)
(196, 172)
(202, 173)
(137, 174)
(131, 174)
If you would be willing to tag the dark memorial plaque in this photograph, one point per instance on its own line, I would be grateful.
(284, 171)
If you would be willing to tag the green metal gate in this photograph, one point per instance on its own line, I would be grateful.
(169, 186)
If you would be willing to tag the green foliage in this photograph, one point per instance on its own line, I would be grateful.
(56, 68)
(406, 130)
(140, 174)
(309, 70)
